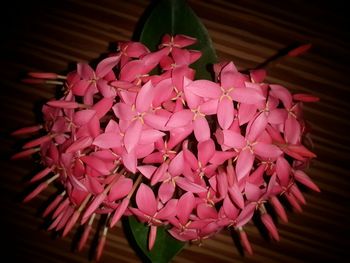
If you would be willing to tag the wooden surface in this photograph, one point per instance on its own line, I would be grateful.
(48, 37)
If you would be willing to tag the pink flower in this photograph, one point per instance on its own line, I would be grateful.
(195, 156)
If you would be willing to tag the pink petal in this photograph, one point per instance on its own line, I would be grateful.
(123, 111)
(145, 200)
(129, 161)
(206, 150)
(222, 184)
(292, 130)
(236, 196)
(185, 207)
(83, 117)
(230, 210)
(150, 136)
(120, 211)
(106, 65)
(205, 89)
(282, 94)
(190, 159)
(108, 140)
(209, 107)
(147, 170)
(162, 92)
(189, 186)
(159, 173)
(132, 135)
(201, 129)
(131, 70)
(256, 127)
(283, 171)
(166, 191)
(233, 139)
(267, 150)
(246, 214)
(247, 95)
(103, 106)
(96, 164)
(180, 118)
(93, 185)
(205, 211)
(220, 157)
(79, 144)
(145, 97)
(258, 75)
(252, 192)
(120, 189)
(277, 116)
(156, 121)
(246, 113)
(176, 165)
(244, 164)
(85, 71)
(184, 41)
(225, 113)
(169, 210)
(156, 157)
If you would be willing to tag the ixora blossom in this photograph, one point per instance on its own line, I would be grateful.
(195, 156)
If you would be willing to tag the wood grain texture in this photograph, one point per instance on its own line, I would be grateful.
(51, 36)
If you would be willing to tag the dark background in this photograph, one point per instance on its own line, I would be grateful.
(37, 36)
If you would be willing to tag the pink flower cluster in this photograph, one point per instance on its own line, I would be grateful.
(140, 136)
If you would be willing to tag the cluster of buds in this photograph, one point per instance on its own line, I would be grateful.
(140, 136)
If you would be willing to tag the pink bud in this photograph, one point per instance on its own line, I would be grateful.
(245, 242)
(26, 130)
(53, 205)
(93, 206)
(24, 153)
(268, 222)
(63, 104)
(152, 237)
(41, 174)
(84, 237)
(101, 245)
(119, 211)
(71, 222)
(279, 208)
(43, 75)
(36, 191)
(38, 141)
(299, 50)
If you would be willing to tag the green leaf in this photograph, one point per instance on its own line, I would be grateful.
(165, 247)
(176, 17)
